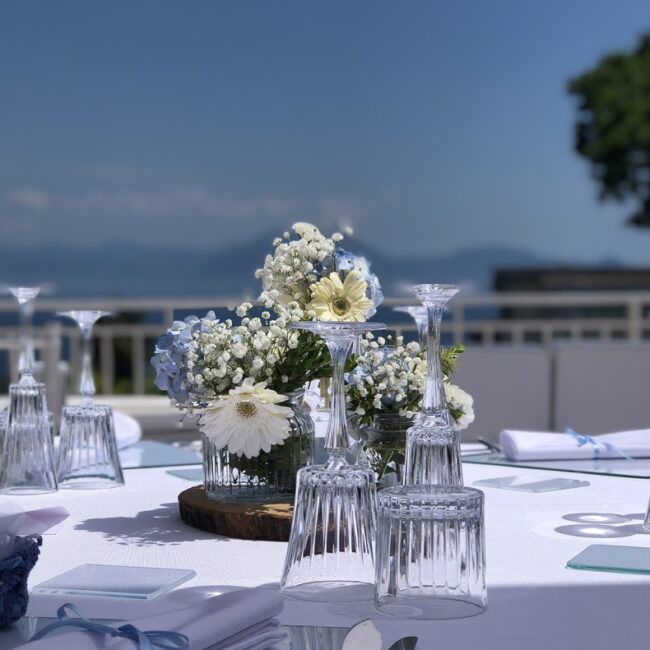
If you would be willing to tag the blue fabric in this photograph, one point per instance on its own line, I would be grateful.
(583, 440)
(14, 571)
(143, 640)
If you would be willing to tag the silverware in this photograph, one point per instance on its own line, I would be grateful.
(490, 445)
(407, 643)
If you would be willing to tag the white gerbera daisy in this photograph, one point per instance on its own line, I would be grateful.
(247, 420)
(333, 300)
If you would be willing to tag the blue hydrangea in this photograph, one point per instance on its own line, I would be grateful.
(169, 356)
(346, 261)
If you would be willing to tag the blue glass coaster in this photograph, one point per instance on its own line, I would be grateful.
(613, 559)
(115, 581)
(531, 483)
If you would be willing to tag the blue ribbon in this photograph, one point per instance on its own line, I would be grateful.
(11, 563)
(583, 440)
(143, 640)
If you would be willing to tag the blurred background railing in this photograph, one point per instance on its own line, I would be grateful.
(124, 344)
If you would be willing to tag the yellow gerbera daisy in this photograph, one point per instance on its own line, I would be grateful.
(333, 300)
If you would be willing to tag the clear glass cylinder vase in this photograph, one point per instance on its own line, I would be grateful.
(384, 447)
(270, 475)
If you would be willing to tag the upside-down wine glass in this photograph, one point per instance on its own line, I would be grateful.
(433, 443)
(331, 547)
(28, 457)
(419, 314)
(87, 457)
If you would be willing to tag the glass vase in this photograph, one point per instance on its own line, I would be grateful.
(384, 447)
(270, 475)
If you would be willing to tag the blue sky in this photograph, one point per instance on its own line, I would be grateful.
(431, 127)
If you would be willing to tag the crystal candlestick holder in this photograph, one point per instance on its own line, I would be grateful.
(433, 443)
(28, 458)
(331, 546)
(88, 457)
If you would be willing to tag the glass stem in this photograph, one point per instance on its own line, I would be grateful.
(26, 361)
(422, 332)
(435, 402)
(336, 440)
(87, 384)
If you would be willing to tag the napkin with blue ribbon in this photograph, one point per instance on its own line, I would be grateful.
(239, 620)
(573, 445)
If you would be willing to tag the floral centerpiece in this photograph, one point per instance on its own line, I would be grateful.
(242, 378)
(386, 390)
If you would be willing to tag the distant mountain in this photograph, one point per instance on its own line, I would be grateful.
(126, 269)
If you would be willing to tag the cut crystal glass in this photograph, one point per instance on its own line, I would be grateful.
(87, 457)
(331, 547)
(433, 443)
(28, 450)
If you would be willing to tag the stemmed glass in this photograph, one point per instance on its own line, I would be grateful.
(28, 450)
(433, 444)
(331, 547)
(419, 314)
(88, 457)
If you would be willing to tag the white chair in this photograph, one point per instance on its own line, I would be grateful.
(602, 387)
(511, 387)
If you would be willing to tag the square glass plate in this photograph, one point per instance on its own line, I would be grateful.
(531, 483)
(195, 474)
(115, 581)
(614, 559)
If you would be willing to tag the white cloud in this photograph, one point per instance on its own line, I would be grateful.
(187, 215)
(29, 198)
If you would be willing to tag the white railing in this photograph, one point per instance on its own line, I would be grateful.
(517, 318)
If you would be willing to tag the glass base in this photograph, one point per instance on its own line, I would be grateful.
(87, 456)
(18, 490)
(331, 546)
(428, 607)
(329, 591)
(90, 483)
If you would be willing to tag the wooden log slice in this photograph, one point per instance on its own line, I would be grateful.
(241, 519)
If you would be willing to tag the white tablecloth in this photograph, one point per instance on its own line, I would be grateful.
(534, 602)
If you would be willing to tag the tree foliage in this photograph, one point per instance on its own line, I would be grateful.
(613, 126)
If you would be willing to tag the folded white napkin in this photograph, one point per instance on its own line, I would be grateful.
(127, 430)
(534, 445)
(14, 521)
(238, 620)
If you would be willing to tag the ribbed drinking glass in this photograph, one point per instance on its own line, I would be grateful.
(331, 547)
(430, 552)
(28, 458)
(87, 457)
(433, 443)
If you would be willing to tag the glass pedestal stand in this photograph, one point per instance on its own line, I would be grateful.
(88, 457)
(331, 547)
(433, 444)
(28, 458)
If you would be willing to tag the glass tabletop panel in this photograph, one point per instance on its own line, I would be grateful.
(151, 453)
(628, 468)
